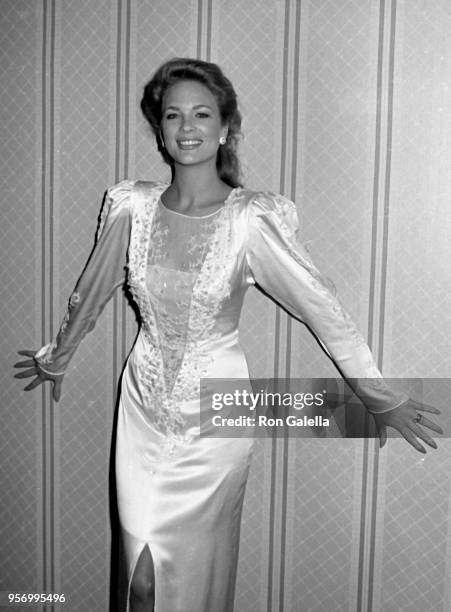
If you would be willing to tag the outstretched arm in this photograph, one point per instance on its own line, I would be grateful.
(283, 268)
(103, 273)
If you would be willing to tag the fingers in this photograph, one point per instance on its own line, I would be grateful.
(411, 439)
(420, 433)
(425, 407)
(25, 364)
(409, 421)
(27, 353)
(34, 370)
(425, 422)
(57, 390)
(26, 373)
(29, 363)
(382, 437)
(34, 383)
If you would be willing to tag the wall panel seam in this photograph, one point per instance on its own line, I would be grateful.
(47, 179)
(378, 280)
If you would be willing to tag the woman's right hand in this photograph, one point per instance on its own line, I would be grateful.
(33, 369)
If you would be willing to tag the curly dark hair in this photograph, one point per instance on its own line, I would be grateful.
(210, 75)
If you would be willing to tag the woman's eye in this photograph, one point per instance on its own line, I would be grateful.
(202, 115)
(171, 115)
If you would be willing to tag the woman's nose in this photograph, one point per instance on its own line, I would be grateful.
(187, 124)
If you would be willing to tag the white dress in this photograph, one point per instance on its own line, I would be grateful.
(179, 492)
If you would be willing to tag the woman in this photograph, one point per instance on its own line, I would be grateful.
(192, 248)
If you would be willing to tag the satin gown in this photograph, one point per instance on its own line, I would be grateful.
(178, 492)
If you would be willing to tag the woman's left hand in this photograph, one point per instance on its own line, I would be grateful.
(409, 421)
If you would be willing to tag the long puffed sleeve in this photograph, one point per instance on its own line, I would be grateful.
(103, 273)
(282, 267)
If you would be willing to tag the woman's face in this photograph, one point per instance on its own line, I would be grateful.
(191, 124)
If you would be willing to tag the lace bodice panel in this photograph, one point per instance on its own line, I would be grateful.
(177, 249)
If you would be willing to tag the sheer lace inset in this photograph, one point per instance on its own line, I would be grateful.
(177, 249)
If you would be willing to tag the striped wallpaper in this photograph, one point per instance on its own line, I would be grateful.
(346, 107)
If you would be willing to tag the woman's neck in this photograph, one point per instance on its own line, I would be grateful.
(193, 188)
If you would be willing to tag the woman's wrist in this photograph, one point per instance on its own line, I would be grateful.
(49, 372)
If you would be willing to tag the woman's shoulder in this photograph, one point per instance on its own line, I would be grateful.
(121, 192)
(266, 202)
(120, 200)
(129, 193)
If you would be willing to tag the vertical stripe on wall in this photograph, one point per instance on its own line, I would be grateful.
(121, 163)
(204, 29)
(289, 140)
(381, 185)
(377, 288)
(123, 111)
(48, 560)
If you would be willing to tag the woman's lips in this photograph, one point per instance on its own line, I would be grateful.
(188, 144)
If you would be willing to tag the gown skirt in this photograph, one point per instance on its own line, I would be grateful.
(182, 499)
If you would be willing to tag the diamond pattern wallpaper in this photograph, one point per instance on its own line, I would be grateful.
(22, 423)
(346, 108)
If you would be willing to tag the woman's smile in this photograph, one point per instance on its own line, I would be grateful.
(191, 123)
(189, 144)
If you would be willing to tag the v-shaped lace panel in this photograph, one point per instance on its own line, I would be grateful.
(177, 249)
(179, 277)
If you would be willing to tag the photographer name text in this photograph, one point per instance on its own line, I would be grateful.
(264, 421)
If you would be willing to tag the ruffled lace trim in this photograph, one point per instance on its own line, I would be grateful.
(166, 415)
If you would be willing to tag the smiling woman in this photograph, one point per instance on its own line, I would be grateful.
(191, 122)
(191, 250)
(191, 128)
(213, 89)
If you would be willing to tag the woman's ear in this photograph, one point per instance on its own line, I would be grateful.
(223, 137)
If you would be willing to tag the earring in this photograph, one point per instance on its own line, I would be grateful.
(161, 141)
(222, 140)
